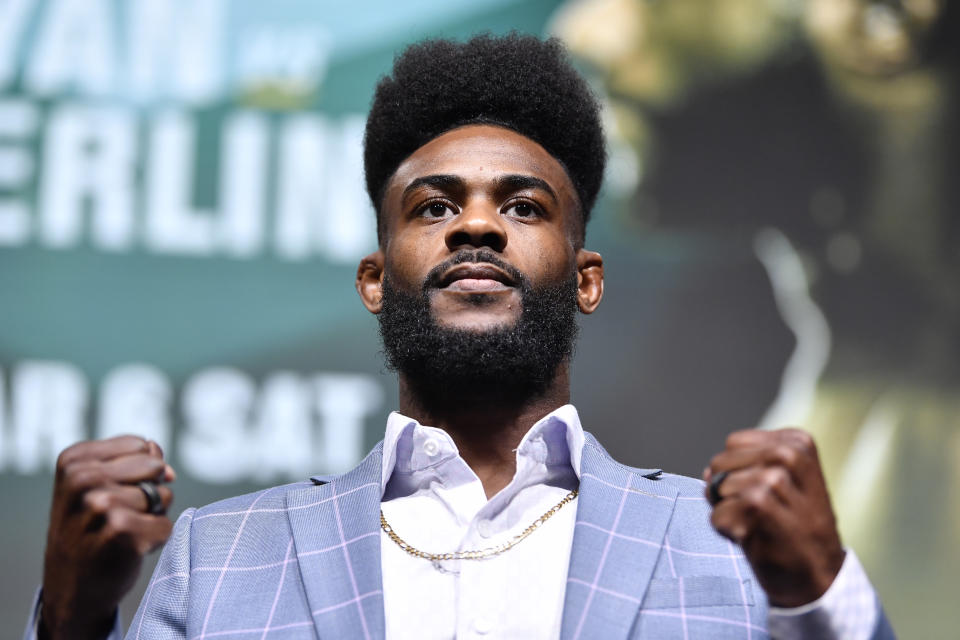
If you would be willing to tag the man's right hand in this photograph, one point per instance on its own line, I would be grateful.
(100, 530)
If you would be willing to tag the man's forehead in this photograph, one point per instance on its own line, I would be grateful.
(482, 152)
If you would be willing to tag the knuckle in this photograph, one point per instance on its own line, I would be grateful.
(155, 464)
(146, 465)
(97, 502)
(143, 546)
(778, 479)
(72, 455)
(801, 440)
(786, 455)
(66, 457)
(807, 443)
(757, 500)
(743, 437)
(84, 477)
(159, 533)
(765, 502)
(733, 439)
(155, 449)
(724, 525)
(138, 443)
(118, 524)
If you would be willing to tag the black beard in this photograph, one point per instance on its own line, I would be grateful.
(446, 366)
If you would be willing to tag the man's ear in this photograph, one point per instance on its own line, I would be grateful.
(589, 280)
(370, 281)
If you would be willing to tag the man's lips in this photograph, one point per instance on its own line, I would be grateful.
(476, 277)
(476, 285)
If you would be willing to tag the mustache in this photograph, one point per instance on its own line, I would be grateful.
(434, 277)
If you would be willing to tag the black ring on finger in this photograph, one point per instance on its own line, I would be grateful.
(154, 501)
(715, 483)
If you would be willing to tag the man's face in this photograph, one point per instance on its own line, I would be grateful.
(479, 275)
(479, 187)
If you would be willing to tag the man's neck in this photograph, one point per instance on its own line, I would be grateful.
(487, 430)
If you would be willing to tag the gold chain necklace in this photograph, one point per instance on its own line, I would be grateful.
(479, 554)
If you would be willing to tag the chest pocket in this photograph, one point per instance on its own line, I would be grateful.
(697, 591)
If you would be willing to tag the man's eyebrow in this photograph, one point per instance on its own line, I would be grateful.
(510, 182)
(517, 182)
(445, 182)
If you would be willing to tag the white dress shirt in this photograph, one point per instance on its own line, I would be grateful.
(436, 503)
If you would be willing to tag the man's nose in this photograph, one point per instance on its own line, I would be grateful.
(477, 225)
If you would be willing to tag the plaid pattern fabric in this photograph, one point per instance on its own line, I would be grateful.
(290, 562)
(303, 561)
(647, 564)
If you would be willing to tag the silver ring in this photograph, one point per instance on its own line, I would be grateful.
(715, 483)
(154, 501)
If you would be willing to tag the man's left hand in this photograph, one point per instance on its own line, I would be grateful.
(774, 503)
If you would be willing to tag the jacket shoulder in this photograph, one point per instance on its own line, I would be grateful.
(243, 531)
(687, 487)
(270, 498)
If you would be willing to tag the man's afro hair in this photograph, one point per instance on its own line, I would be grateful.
(516, 81)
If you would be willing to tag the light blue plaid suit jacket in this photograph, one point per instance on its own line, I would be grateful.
(303, 561)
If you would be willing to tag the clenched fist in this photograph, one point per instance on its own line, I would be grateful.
(102, 524)
(773, 501)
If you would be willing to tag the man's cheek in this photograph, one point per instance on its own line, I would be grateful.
(549, 268)
(402, 277)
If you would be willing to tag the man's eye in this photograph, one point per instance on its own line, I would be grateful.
(522, 210)
(437, 210)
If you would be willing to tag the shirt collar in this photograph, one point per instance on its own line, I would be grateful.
(408, 446)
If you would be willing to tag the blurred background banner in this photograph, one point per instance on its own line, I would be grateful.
(182, 212)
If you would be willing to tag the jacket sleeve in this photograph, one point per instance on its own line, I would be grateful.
(163, 611)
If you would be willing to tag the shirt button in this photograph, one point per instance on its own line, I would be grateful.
(483, 625)
(485, 528)
(431, 448)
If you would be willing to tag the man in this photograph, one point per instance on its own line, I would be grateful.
(502, 518)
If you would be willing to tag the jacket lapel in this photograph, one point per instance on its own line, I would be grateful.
(336, 532)
(622, 517)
